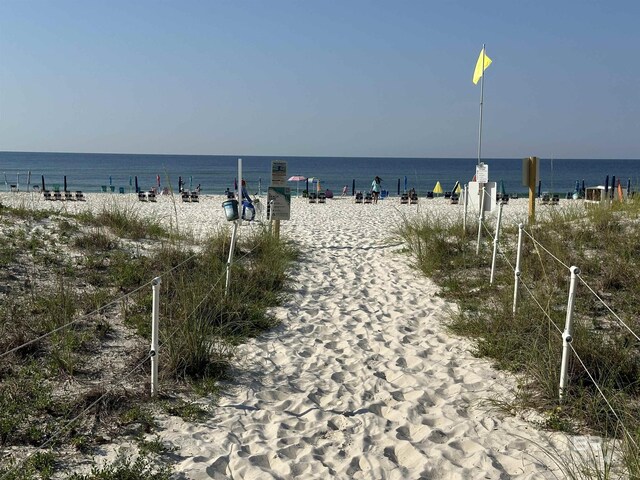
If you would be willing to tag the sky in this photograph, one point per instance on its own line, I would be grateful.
(321, 78)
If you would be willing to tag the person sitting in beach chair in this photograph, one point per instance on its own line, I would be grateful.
(404, 199)
(368, 197)
(413, 196)
(322, 197)
(313, 197)
(358, 198)
(185, 197)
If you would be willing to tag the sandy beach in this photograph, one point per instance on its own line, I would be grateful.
(361, 379)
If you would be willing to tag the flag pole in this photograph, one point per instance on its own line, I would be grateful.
(481, 102)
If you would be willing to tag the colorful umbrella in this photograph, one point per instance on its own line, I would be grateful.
(297, 179)
(437, 189)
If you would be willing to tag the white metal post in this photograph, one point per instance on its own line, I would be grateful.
(568, 331)
(480, 220)
(495, 245)
(234, 234)
(155, 328)
(517, 272)
(270, 216)
(466, 204)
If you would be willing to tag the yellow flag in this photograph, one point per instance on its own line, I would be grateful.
(479, 67)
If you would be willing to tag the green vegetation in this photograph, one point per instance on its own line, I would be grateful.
(86, 278)
(605, 243)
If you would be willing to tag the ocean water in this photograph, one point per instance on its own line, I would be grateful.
(90, 171)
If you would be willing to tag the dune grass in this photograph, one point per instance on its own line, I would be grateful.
(604, 242)
(64, 272)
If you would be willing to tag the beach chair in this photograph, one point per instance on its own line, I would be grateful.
(185, 197)
(68, 196)
(195, 197)
(447, 194)
(504, 199)
(413, 198)
(47, 195)
(358, 198)
(429, 194)
(545, 199)
(104, 188)
(555, 200)
(57, 196)
(230, 195)
(454, 199)
(142, 196)
(404, 199)
(313, 197)
(322, 198)
(151, 196)
(514, 196)
(79, 196)
(120, 189)
(368, 198)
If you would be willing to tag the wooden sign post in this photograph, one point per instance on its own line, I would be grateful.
(530, 179)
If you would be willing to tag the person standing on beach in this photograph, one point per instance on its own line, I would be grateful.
(375, 188)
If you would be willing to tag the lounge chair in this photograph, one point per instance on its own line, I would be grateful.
(142, 196)
(79, 196)
(454, 199)
(121, 189)
(555, 199)
(368, 198)
(195, 197)
(413, 199)
(151, 196)
(68, 196)
(545, 199)
(230, 195)
(447, 194)
(504, 199)
(358, 198)
(103, 187)
(322, 198)
(185, 197)
(404, 199)
(429, 194)
(57, 195)
(313, 197)
(514, 196)
(47, 195)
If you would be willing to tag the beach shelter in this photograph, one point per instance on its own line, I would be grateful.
(502, 190)
(110, 180)
(297, 179)
(190, 182)
(65, 183)
(29, 180)
(136, 184)
(457, 188)
(43, 186)
(438, 188)
(606, 186)
(405, 184)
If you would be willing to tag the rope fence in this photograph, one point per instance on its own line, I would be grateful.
(566, 334)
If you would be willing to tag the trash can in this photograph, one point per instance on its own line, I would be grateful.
(231, 209)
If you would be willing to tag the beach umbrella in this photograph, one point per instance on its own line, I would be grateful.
(158, 181)
(613, 182)
(297, 179)
(65, 183)
(190, 182)
(43, 187)
(110, 180)
(437, 189)
(136, 184)
(583, 189)
(6, 183)
(260, 186)
(502, 190)
(398, 187)
(307, 187)
(180, 184)
(353, 187)
(539, 187)
(457, 188)
(405, 184)
(28, 179)
(606, 186)
(628, 187)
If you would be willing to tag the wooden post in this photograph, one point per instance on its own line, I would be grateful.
(276, 228)
(533, 168)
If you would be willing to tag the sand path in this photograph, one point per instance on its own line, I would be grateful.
(361, 380)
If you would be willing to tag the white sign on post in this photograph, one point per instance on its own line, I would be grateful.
(280, 209)
(482, 173)
(278, 173)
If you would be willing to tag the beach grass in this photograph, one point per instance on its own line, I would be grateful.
(72, 274)
(604, 242)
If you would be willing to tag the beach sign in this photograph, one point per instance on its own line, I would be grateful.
(482, 173)
(280, 209)
(278, 173)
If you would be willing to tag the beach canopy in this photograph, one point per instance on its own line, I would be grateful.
(297, 178)
(457, 188)
(502, 190)
(437, 188)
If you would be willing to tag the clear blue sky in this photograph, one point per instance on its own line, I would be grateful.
(352, 78)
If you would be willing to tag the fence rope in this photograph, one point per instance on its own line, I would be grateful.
(607, 306)
(64, 427)
(602, 395)
(546, 250)
(97, 310)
